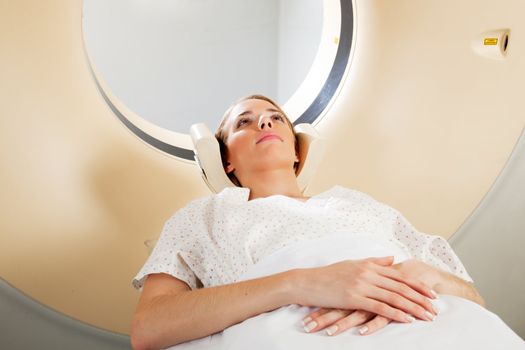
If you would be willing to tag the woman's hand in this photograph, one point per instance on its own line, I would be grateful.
(371, 285)
(440, 281)
(421, 271)
(336, 321)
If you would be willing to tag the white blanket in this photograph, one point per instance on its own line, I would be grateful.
(461, 324)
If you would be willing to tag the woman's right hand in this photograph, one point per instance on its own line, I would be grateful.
(370, 284)
(336, 321)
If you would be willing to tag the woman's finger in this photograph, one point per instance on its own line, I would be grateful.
(356, 318)
(312, 316)
(414, 283)
(373, 325)
(400, 302)
(324, 320)
(315, 314)
(383, 261)
(383, 309)
(412, 301)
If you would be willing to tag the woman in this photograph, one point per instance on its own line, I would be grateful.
(203, 247)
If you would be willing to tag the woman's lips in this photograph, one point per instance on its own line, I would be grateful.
(269, 137)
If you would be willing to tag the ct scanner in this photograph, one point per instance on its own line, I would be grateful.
(423, 110)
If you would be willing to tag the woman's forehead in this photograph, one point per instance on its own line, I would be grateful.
(255, 106)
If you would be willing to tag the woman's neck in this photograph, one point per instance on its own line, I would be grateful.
(264, 184)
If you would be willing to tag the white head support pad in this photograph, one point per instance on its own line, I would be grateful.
(208, 156)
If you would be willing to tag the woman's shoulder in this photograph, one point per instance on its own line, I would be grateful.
(228, 195)
(199, 212)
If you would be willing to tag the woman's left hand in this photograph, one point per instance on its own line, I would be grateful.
(336, 321)
(439, 281)
(421, 271)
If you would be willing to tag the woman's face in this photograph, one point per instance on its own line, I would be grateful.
(259, 138)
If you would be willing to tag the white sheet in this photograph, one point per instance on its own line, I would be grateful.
(461, 324)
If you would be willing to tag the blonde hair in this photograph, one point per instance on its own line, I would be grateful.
(222, 135)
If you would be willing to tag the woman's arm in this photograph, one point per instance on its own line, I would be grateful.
(453, 285)
(169, 313)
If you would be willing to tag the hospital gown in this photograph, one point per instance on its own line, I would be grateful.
(214, 240)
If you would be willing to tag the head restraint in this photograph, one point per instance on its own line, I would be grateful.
(208, 156)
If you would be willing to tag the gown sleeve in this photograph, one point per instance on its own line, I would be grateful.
(431, 249)
(168, 255)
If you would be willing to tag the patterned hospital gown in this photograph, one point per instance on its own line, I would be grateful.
(215, 239)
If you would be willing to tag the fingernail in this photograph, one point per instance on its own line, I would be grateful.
(363, 330)
(430, 317)
(310, 326)
(332, 329)
(306, 320)
(410, 318)
(435, 308)
(434, 294)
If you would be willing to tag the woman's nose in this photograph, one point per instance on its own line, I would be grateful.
(265, 122)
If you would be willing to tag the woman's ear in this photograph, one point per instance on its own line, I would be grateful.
(296, 163)
(228, 168)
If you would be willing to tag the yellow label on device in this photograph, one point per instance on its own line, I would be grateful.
(490, 41)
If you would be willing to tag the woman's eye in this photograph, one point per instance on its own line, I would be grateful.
(278, 117)
(242, 121)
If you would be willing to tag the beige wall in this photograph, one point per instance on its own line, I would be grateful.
(421, 123)
(80, 193)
